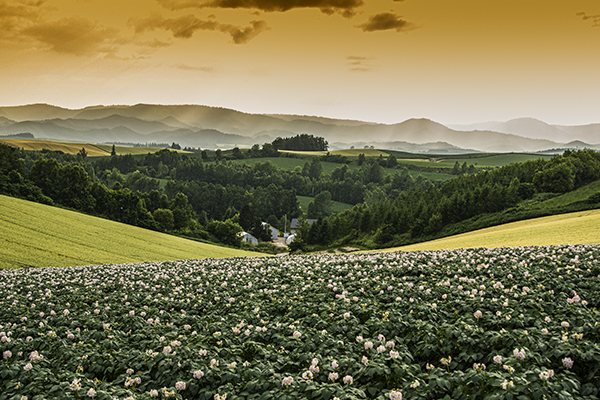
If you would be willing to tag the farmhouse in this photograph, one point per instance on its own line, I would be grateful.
(248, 238)
(274, 232)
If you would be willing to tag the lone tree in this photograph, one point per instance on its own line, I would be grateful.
(113, 152)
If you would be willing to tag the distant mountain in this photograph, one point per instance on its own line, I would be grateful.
(588, 133)
(203, 126)
(536, 129)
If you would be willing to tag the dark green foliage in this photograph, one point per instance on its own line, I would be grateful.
(68, 185)
(315, 170)
(9, 159)
(237, 153)
(82, 153)
(431, 211)
(558, 178)
(398, 209)
(361, 159)
(226, 232)
(164, 218)
(297, 245)
(391, 161)
(321, 206)
(303, 142)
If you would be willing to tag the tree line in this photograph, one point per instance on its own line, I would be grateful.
(214, 200)
(416, 215)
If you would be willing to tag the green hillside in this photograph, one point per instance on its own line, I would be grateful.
(479, 160)
(37, 235)
(336, 206)
(573, 228)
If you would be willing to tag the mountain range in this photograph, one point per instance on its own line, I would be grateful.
(213, 127)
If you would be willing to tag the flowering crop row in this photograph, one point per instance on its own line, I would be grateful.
(479, 323)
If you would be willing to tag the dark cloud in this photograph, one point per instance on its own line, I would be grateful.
(185, 26)
(386, 21)
(594, 18)
(359, 63)
(347, 8)
(17, 14)
(75, 35)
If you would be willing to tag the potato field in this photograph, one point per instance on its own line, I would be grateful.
(507, 323)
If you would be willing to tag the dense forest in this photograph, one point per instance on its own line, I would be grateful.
(461, 204)
(213, 198)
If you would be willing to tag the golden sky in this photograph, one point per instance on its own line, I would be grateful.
(453, 61)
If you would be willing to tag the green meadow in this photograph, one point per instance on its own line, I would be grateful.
(336, 206)
(478, 160)
(66, 147)
(36, 235)
(93, 150)
(289, 164)
(344, 152)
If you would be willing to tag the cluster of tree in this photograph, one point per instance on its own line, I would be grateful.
(352, 186)
(463, 169)
(303, 142)
(175, 192)
(416, 214)
(24, 135)
(59, 179)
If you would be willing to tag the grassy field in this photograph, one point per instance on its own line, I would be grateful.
(572, 228)
(328, 167)
(93, 150)
(122, 150)
(37, 235)
(66, 147)
(336, 206)
(480, 161)
(571, 197)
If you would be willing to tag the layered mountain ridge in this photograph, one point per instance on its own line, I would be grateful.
(213, 127)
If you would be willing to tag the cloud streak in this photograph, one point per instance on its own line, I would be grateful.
(185, 26)
(359, 64)
(347, 8)
(186, 67)
(386, 21)
(595, 18)
(75, 35)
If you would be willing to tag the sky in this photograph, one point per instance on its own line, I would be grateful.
(452, 61)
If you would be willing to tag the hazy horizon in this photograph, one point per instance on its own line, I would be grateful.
(454, 62)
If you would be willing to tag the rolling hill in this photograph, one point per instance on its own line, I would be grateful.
(573, 228)
(212, 127)
(36, 235)
(536, 129)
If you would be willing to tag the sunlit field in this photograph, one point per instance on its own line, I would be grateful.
(579, 227)
(36, 235)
